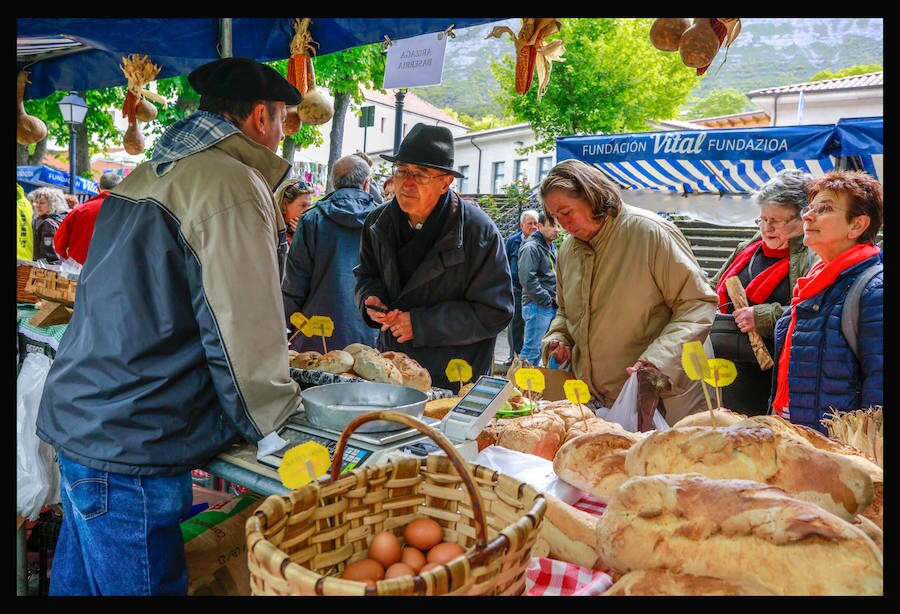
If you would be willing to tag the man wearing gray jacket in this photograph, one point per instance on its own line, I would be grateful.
(537, 275)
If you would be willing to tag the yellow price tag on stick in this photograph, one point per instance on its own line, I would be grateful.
(303, 464)
(696, 365)
(318, 325)
(722, 372)
(576, 391)
(298, 320)
(530, 379)
(458, 370)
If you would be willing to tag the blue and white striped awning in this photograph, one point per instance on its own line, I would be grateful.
(727, 161)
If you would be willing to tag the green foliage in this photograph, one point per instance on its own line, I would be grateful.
(720, 102)
(613, 80)
(862, 69)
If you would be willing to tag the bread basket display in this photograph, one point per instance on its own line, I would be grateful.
(299, 543)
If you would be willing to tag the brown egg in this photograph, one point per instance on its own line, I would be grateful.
(413, 557)
(363, 569)
(423, 533)
(429, 567)
(385, 548)
(444, 552)
(399, 569)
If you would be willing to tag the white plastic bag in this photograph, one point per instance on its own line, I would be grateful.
(37, 474)
(625, 412)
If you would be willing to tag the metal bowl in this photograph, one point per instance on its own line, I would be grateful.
(333, 406)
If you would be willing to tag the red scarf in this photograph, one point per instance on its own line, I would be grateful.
(761, 286)
(820, 276)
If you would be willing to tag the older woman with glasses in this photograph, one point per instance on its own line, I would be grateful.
(817, 371)
(768, 266)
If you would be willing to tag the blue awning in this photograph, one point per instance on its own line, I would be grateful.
(47, 176)
(63, 54)
(725, 161)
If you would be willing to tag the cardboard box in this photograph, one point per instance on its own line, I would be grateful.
(554, 380)
(216, 548)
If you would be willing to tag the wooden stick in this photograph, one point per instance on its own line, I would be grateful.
(739, 300)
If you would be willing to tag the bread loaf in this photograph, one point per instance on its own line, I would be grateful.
(570, 533)
(414, 374)
(438, 408)
(736, 530)
(719, 417)
(662, 582)
(569, 412)
(540, 434)
(376, 368)
(875, 533)
(755, 453)
(334, 361)
(306, 360)
(596, 424)
(595, 462)
(355, 348)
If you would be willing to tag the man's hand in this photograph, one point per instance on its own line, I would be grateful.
(744, 319)
(560, 351)
(400, 325)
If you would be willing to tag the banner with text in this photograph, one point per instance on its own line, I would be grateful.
(415, 62)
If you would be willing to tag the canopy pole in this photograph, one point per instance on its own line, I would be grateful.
(399, 95)
(225, 49)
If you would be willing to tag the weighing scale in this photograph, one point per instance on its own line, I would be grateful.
(461, 426)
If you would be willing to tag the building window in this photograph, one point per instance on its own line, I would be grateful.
(464, 180)
(521, 170)
(544, 165)
(497, 177)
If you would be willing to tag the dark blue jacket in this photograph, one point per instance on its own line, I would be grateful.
(513, 243)
(459, 298)
(537, 270)
(318, 275)
(824, 373)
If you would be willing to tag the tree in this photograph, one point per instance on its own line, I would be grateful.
(861, 69)
(720, 102)
(613, 80)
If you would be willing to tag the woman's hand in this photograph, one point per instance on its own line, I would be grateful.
(744, 319)
(560, 351)
(292, 223)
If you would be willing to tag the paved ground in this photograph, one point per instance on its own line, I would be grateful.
(501, 353)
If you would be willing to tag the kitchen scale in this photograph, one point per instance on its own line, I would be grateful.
(461, 426)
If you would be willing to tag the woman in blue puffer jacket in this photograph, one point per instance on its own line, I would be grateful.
(817, 372)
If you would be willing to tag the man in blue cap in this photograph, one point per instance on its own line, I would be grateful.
(433, 274)
(176, 347)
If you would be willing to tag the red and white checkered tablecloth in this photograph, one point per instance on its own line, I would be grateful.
(550, 577)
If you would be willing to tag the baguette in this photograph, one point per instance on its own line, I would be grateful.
(570, 534)
(759, 454)
(736, 530)
(662, 582)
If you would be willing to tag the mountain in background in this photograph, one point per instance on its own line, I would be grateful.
(769, 52)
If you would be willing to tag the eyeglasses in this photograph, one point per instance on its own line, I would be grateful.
(401, 173)
(760, 221)
(818, 210)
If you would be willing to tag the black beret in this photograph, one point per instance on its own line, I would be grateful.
(243, 79)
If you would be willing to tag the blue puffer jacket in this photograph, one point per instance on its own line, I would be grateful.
(824, 374)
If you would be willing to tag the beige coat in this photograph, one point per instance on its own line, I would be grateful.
(634, 292)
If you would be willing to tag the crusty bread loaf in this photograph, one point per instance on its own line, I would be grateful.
(570, 533)
(736, 530)
(755, 453)
(875, 533)
(376, 368)
(334, 361)
(719, 417)
(540, 434)
(438, 408)
(595, 424)
(414, 374)
(595, 462)
(875, 510)
(354, 348)
(662, 582)
(569, 412)
(306, 360)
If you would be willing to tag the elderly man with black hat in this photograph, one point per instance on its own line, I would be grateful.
(433, 273)
(176, 347)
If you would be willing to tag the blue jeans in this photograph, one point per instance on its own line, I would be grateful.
(120, 534)
(537, 321)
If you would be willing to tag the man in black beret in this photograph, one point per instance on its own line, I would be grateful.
(176, 347)
(433, 273)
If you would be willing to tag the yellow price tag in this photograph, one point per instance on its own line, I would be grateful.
(530, 379)
(576, 391)
(458, 370)
(694, 361)
(722, 372)
(318, 325)
(298, 320)
(303, 464)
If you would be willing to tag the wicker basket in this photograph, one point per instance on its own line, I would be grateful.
(23, 273)
(49, 285)
(299, 543)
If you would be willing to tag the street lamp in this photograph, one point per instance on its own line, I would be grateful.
(73, 109)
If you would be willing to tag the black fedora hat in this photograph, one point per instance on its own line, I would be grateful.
(430, 146)
(242, 79)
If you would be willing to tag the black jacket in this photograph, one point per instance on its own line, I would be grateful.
(537, 271)
(459, 297)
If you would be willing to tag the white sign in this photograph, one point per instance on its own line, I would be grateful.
(415, 62)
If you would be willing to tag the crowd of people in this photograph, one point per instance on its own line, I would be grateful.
(221, 247)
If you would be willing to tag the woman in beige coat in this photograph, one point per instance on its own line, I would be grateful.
(629, 289)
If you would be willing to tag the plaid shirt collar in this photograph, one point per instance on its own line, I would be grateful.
(187, 136)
